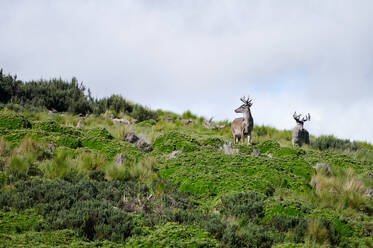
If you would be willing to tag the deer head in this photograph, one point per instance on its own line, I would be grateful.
(298, 119)
(247, 103)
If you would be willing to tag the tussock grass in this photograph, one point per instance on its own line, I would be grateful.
(58, 167)
(342, 190)
(90, 161)
(24, 156)
(4, 147)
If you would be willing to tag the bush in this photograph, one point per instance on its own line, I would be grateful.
(141, 113)
(249, 236)
(84, 206)
(11, 120)
(330, 142)
(248, 206)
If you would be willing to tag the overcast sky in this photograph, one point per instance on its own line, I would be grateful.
(309, 56)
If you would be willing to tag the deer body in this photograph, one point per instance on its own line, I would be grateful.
(299, 134)
(243, 126)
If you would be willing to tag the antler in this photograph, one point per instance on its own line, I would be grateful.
(248, 101)
(307, 118)
(297, 117)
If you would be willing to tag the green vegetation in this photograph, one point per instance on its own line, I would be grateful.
(64, 186)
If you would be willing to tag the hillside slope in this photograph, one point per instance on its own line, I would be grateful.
(69, 187)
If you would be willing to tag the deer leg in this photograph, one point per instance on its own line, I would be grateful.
(248, 139)
(242, 138)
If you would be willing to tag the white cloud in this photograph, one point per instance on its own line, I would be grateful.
(203, 55)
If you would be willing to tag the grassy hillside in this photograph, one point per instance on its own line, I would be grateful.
(61, 185)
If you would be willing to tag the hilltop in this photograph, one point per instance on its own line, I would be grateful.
(90, 185)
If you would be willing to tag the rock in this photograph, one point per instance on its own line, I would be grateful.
(143, 144)
(131, 137)
(219, 127)
(187, 122)
(255, 153)
(369, 193)
(51, 148)
(270, 155)
(207, 124)
(139, 141)
(313, 182)
(173, 154)
(121, 121)
(228, 149)
(119, 159)
(323, 168)
(370, 174)
(79, 125)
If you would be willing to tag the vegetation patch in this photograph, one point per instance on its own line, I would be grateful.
(11, 120)
(172, 141)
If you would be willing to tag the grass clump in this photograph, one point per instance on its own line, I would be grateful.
(343, 190)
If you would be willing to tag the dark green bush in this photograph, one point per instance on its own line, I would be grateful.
(141, 113)
(11, 120)
(85, 206)
(330, 142)
(248, 205)
(249, 236)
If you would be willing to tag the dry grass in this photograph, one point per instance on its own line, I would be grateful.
(316, 233)
(343, 190)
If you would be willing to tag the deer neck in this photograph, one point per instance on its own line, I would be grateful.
(246, 116)
(300, 125)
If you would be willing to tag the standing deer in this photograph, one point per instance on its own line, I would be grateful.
(243, 126)
(299, 134)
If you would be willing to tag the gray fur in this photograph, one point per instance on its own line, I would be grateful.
(299, 134)
(243, 126)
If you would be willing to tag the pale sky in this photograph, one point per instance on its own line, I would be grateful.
(308, 56)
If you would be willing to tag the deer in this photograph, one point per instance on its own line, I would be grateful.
(243, 126)
(299, 134)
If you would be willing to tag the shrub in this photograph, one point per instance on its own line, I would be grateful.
(248, 206)
(249, 236)
(84, 206)
(188, 115)
(141, 113)
(97, 219)
(330, 142)
(11, 120)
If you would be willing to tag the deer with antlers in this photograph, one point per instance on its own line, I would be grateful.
(243, 126)
(299, 134)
